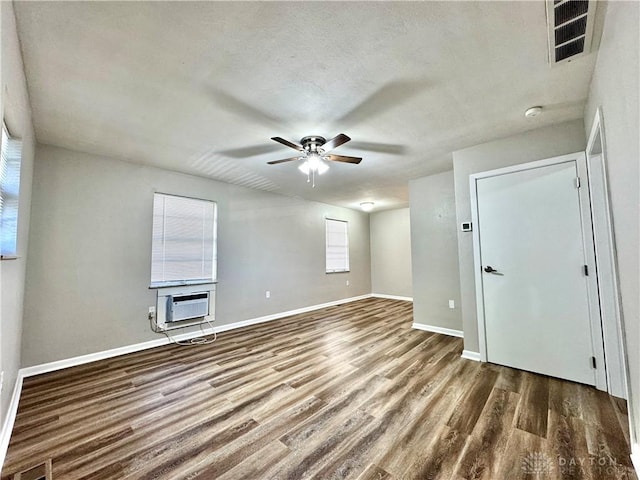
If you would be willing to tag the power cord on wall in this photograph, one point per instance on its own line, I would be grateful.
(192, 342)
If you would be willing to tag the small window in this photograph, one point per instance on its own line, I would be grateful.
(10, 160)
(337, 246)
(183, 247)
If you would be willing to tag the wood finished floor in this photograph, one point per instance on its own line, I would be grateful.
(350, 391)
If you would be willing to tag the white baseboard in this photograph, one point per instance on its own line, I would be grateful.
(392, 297)
(115, 352)
(7, 426)
(94, 357)
(635, 458)
(276, 316)
(469, 355)
(442, 330)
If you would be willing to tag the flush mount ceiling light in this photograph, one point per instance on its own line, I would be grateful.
(533, 111)
(366, 206)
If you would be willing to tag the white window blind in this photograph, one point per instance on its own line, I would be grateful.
(337, 246)
(10, 160)
(184, 241)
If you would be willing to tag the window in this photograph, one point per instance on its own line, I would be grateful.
(9, 192)
(183, 249)
(337, 246)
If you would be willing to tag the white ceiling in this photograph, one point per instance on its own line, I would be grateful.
(189, 86)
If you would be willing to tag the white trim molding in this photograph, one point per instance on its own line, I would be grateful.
(470, 355)
(115, 352)
(580, 162)
(606, 264)
(441, 330)
(392, 297)
(635, 457)
(7, 425)
(276, 316)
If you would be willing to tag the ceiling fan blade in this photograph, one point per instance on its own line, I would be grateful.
(342, 158)
(389, 148)
(252, 151)
(235, 106)
(274, 162)
(335, 142)
(288, 143)
(385, 98)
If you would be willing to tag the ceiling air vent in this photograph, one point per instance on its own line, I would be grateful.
(570, 27)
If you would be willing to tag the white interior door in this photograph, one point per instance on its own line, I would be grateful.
(534, 290)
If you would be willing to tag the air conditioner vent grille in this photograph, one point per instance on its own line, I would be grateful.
(571, 31)
(570, 27)
(569, 49)
(570, 10)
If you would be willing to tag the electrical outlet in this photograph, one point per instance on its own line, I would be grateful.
(267, 294)
(1, 380)
(452, 304)
(152, 313)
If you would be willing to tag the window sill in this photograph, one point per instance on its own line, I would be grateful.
(9, 257)
(181, 283)
(337, 271)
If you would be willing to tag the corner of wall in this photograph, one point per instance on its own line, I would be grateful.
(16, 110)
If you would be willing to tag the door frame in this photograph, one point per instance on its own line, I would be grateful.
(579, 158)
(611, 311)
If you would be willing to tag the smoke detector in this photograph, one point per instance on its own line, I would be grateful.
(533, 112)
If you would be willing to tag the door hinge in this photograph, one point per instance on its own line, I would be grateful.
(577, 182)
(593, 362)
(586, 270)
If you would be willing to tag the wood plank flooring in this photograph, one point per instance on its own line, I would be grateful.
(350, 391)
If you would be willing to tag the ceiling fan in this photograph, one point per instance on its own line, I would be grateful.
(314, 151)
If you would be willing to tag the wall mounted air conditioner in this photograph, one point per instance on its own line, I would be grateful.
(184, 306)
(187, 306)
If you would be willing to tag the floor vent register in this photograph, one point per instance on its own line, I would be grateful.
(41, 471)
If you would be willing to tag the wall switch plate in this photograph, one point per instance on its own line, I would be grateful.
(1, 380)
(466, 226)
(452, 304)
(347, 283)
(267, 294)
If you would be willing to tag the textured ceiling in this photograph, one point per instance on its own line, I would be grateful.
(201, 87)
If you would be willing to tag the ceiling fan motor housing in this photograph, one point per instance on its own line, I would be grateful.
(312, 143)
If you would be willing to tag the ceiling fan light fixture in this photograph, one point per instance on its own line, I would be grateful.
(313, 162)
(315, 155)
(367, 206)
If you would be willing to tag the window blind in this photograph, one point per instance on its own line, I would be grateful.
(10, 159)
(184, 240)
(337, 246)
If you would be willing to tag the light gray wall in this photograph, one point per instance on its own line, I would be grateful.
(533, 145)
(17, 114)
(391, 252)
(434, 251)
(614, 88)
(89, 266)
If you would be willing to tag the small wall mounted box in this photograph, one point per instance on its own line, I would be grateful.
(465, 226)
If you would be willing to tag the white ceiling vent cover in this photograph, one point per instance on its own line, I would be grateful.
(570, 28)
